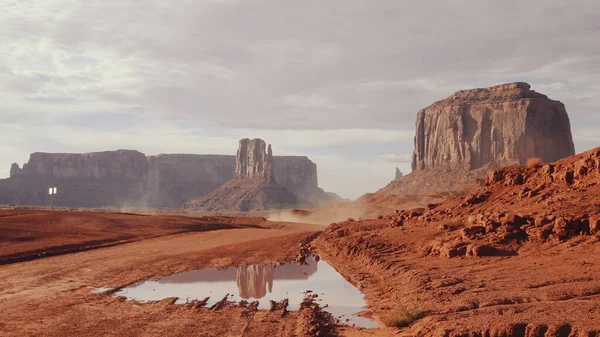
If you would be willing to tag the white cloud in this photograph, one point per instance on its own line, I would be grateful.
(394, 158)
(308, 139)
(338, 79)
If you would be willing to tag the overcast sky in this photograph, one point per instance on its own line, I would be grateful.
(340, 81)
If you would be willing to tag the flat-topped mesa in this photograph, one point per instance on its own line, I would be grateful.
(516, 90)
(176, 178)
(120, 164)
(296, 173)
(114, 178)
(497, 126)
(252, 161)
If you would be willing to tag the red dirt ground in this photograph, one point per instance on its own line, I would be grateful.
(50, 296)
(519, 257)
(30, 234)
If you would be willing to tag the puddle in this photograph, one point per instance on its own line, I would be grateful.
(262, 283)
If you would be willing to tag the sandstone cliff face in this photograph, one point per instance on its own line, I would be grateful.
(129, 178)
(252, 161)
(121, 164)
(459, 139)
(297, 174)
(112, 178)
(253, 187)
(502, 125)
(174, 179)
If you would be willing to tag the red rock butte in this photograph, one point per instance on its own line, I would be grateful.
(128, 177)
(255, 186)
(501, 125)
(483, 129)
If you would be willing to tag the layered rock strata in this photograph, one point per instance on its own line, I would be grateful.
(463, 136)
(174, 179)
(505, 124)
(253, 187)
(516, 257)
(252, 161)
(129, 178)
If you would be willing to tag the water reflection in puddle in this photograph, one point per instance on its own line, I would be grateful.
(262, 283)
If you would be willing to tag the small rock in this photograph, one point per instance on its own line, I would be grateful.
(396, 223)
(594, 225)
(548, 169)
(560, 227)
(453, 250)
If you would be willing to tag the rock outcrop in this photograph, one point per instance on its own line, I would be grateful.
(299, 175)
(460, 138)
(121, 164)
(399, 174)
(502, 125)
(252, 161)
(112, 178)
(527, 242)
(129, 178)
(253, 187)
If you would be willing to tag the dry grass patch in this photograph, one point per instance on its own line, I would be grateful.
(403, 315)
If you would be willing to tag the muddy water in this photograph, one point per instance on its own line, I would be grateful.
(261, 283)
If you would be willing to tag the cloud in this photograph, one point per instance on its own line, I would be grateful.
(394, 158)
(340, 78)
(273, 63)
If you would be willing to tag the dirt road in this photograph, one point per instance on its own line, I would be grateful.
(51, 296)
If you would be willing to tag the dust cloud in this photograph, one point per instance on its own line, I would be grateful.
(369, 206)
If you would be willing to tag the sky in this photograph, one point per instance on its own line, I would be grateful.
(340, 81)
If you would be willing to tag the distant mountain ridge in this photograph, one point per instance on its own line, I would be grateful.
(130, 178)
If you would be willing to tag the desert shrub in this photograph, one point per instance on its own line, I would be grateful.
(534, 162)
(403, 315)
(350, 219)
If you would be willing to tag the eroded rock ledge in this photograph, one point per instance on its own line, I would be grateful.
(515, 258)
(503, 125)
(459, 139)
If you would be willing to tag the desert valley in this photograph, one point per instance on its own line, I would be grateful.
(495, 232)
(272, 168)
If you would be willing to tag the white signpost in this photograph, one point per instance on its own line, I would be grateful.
(52, 192)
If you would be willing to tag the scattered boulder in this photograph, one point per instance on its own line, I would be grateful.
(594, 225)
(477, 250)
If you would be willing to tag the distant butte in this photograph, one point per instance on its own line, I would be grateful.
(460, 138)
(253, 187)
(130, 178)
